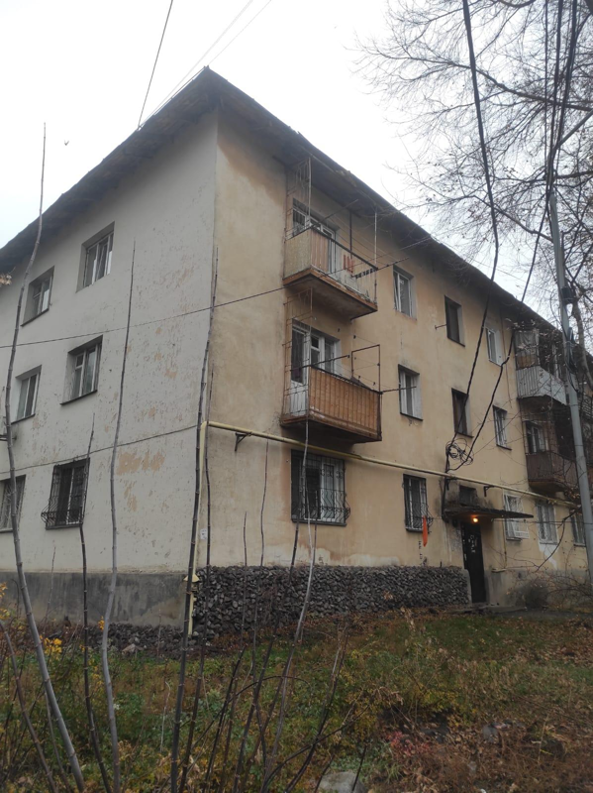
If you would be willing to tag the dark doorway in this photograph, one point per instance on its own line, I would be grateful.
(473, 561)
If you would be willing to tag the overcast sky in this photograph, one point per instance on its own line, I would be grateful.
(83, 68)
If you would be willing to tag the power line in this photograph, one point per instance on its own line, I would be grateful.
(158, 52)
(263, 8)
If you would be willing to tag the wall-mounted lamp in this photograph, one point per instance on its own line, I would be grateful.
(475, 519)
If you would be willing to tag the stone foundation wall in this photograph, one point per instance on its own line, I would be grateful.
(334, 591)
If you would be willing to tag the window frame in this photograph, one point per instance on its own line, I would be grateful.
(452, 308)
(106, 234)
(318, 465)
(541, 507)
(58, 493)
(464, 403)
(45, 278)
(530, 436)
(411, 518)
(409, 393)
(5, 518)
(578, 529)
(493, 345)
(22, 379)
(514, 503)
(398, 277)
(500, 430)
(73, 366)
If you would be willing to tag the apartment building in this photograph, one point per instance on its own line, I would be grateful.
(342, 341)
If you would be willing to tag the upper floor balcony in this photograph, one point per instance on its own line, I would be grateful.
(549, 472)
(333, 395)
(535, 381)
(343, 281)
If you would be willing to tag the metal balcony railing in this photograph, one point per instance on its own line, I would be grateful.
(314, 254)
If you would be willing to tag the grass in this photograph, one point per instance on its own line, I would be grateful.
(414, 693)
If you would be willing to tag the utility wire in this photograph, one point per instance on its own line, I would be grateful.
(244, 28)
(158, 52)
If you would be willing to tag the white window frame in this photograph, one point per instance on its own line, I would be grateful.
(500, 427)
(415, 523)
(515, 528)
(539, 436)
(578, 529)
(402, 284)
(410, 400)
(40, 293)
(5, 519)
(79, 368)
(493, 342)
(546, 522)
(29, 388)
(93, 267)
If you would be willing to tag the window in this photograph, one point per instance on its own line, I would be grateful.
(578, 528)
(318, 489)
(5, 519)
(416, 506)
(460, 412)
(453, 316)
(546, 522)
(468, 496)
(402, 287)
(97, 259)
(515, 528)
(500, 427)
(494, 343)
(66, 499)
(409, 393)
(314, 348)
(38, 295)
(84, 370)
(29, 384)
(536, 439)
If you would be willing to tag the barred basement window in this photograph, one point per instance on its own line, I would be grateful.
(416, 504)
(5, 519)
(318, 492)
(66, 500)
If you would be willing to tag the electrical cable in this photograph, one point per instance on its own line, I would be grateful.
(158, 52)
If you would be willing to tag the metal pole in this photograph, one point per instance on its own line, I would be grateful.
(573, 399)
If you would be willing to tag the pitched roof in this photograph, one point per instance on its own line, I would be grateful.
(205, 93)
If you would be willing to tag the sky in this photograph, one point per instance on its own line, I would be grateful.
(83, 69)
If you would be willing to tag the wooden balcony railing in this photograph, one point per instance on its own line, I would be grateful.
(351, 410)
(338, 276)
(549, 471)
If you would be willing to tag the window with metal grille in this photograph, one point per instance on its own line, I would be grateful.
(460, 412)
(38, 295)
(66, 500)
(409, 393)
(97, 259)
(453, 319)
(578, 528)
(402, 289)
(416, 505)
(83, 365)
(29, 384)
(318, 492)
(500, 426)
(546, 521)
(5, 490)
(515, 528)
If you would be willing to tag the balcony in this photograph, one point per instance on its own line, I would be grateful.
(548, 472)
(342, 280)
(346, 409)
(535, 381)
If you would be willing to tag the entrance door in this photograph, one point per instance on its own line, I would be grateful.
(473, 561)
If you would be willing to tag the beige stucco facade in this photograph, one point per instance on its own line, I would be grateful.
(216, 196)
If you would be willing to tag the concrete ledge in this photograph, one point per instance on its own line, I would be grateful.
(141, 598)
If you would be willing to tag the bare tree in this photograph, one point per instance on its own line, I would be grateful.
(52, 701)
